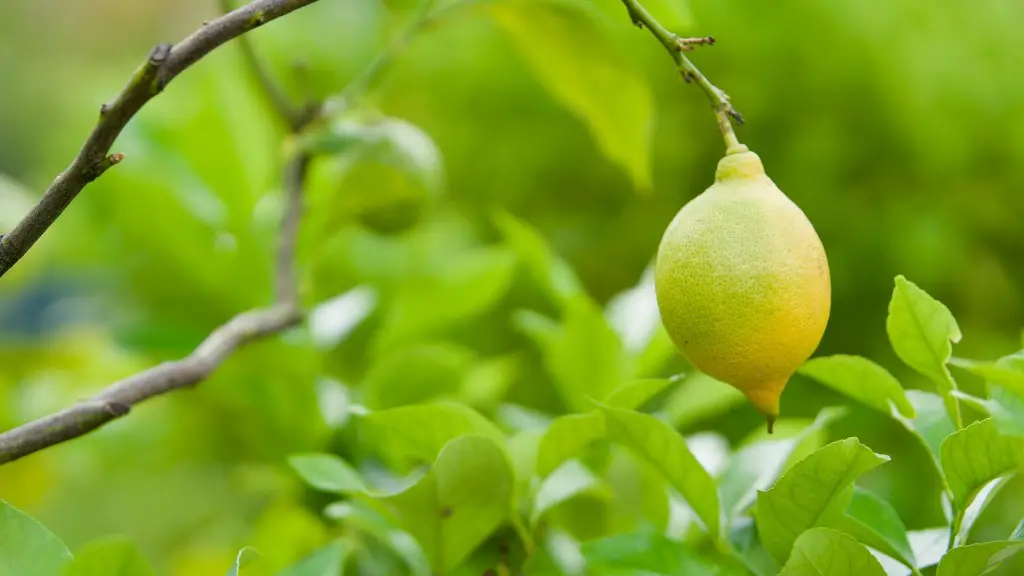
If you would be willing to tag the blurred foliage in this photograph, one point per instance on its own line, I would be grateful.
(506, 133)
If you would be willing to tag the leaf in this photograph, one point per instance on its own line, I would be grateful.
(1007, 410)
(416, 373)
(464, 497)
(570, 479)
(874, 522)
(326, 561)
(757, 465)
(452, 293)
(586, 357)
(985, 497)
(931, 425)
(700, 397)
(326, 472)
(814, 492)
(566, 437)
(548, 270)
(419, 431)
(929, 545)
(1006, 372)
(111, 556)
(976, 455)
(860, 379)
(641, 553)
(27, 548)
(361, 516)
(826, 552)
(368, 136)
(662, 447)
(977, 559)
(636, 393)
(750, 551)
(240, 560)
(922, 332)
(569, 51)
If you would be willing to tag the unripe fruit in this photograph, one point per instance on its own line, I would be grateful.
(742, 282)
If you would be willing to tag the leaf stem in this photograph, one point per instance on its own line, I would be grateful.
(675, 46)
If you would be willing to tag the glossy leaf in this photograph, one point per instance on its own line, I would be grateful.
(326, 472)
(642, 553)
(569, 51)
(548, 270)
(860, 379)
(976, 455)
(566, 437)
(874, 522)
(570, 479)
(464, 497)
(27, 548)
(636, 393)
(662, 447)
(112, 556)
(815, 492)
(826, 552)
(931, 424)
(700, 396)
(326, 561)
(977, 559)
(981, 502)
(418, 432)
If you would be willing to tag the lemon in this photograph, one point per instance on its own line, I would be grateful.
(742, 282)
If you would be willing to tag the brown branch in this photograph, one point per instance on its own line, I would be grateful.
(165, 62)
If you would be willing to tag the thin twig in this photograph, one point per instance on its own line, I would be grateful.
(675, 46)
(286, 282)
(165, 62)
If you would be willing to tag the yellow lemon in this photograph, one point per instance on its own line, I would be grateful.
(742, 282)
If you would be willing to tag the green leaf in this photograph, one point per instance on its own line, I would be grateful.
(814, 492)
(464, 497)
(360, 515)
(27, 548)
(700, 397)
(826, 552)
(327, 472)
(568, 49)
(635, 394)
(566, 437)
(416, 373)
(750, 551)
(1006, 372)
(326, 561)
(975, 456)
(451, 293)
(1007, 410)
(931, 425)
(241, 559)
(418, 432)
(922, 332)
(569, 480)
(977, 559)
(112, 556)
(981, 502)
(547, 269)
(860, 379)
(661, 446)
(756, 465)
(874, 522)
(640, 554)
(586, 358)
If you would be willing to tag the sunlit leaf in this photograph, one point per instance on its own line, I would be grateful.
(326, 561)
(1007, 409)
(976, 455)
(874, 522)
(661, 446)
(922, 332)
(929, 545)
(112, 556)
(642, 553)
(931, 424)
(698, 397)
(860, 379)
(981, 502)
(419, 431)
(27, 548)
(826, 552)
(326, 472)
(416, 373)
(1006, 372)
(816, 491)
(977, 559)
(567, 48)
(636, 393)
(464, 497)
(568, 480)
(244, 556)
(548, 270)
(566, 437)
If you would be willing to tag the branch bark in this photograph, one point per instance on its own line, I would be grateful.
(164, 63)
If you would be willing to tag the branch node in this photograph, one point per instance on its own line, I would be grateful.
(104, 110)
(688, 44)
(116, 409)
(158, 55)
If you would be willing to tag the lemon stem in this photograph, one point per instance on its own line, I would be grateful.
(724, 111)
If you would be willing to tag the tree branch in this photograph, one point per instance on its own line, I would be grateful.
(165, 62)
(676, 46)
